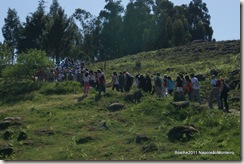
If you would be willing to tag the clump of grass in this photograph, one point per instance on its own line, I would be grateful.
(67, 87)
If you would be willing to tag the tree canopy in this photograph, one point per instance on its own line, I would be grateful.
(142, 25)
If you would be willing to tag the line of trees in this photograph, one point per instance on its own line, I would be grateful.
(143, 25)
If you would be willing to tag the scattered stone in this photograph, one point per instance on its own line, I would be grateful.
(13, 119)
(84, 140)
(115, 107)
(180, 104)
(6, 151)
(9, 121)
(149, 148)
(141, 138)
(28, 143)
(102, 124)
(135, 97)
(4, 125)
(129, 98)
(7, 135)
(45, 132)
(107, 95)
(181, 133)
(22, 136)
(179, 97)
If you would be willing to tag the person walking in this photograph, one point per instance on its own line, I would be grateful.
(195, 85)
(158, 85)
(224, 95)
(86, 83)
(214, 93)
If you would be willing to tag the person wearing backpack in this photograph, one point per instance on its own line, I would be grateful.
(187, 86)
(179, 84)
(129, 79)
(101, 82)
(115, 81)
(121, 81)
(225, 88)
(195, 89)
(158, 85)
(171, 85)
(214, 93)
(166, 83)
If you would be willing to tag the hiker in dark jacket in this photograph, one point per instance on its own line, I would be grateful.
(224, 95)
(148, 84)
(121, 81)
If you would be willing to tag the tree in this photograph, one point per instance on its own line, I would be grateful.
(10, 30)
(112, 27)
(164, 13)
(31, 35)
(61, 34)
(28, 64)
(138, 26)
(90, 27)
(179, 34)
(5, 55)
(199, 21)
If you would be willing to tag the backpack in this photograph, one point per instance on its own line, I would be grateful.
(165, 83)
(158, 82)
(197, 84)
(226, 88)
(218, 83)
(130, 79)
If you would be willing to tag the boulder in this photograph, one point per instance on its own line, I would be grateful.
(22, 136)
(180, 104)
(135, 97)
(4, 125)
(179, 97)
(7, 135)
(84, 140)
(6, 151)
(141, 138)
(102, 124)
(181, 133)
(149, 148)
(9, 121)
(115, 107)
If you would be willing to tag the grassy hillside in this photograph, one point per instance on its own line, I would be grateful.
(60, 124)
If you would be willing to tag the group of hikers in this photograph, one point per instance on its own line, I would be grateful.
(156, 84)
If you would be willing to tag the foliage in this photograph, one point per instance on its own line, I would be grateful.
(144, 25)
(28, 64)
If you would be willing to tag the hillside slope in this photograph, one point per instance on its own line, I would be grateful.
(53, 121)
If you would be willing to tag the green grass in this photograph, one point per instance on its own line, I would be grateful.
(54, 116)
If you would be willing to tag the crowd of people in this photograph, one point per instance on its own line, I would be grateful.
(162, 86)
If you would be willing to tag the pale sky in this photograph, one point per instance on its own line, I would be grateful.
(225, 14)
